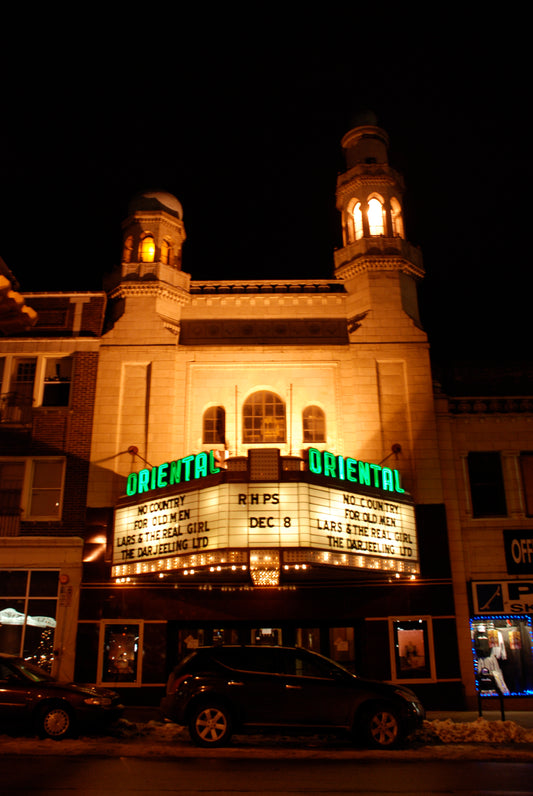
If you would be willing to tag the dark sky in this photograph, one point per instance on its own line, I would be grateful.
(241, 119)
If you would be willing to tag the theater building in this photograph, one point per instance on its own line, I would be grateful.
(265, 459)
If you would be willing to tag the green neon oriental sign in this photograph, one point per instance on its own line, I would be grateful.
(198, 466)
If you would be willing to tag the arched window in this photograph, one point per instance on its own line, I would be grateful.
(167, 253)
(397, 220)
(263, 418)
(128, 250)
(147, 249)
(314, 424)
(214, 426)
(376, 224)
(358, 221)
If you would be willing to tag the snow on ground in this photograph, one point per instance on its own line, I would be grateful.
(480, 739)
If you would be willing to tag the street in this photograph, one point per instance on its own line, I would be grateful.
(53, 775)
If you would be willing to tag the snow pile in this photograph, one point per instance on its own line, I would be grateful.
(479, 731)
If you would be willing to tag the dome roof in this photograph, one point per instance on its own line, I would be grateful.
(156, 200)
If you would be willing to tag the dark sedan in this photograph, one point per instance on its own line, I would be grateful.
(218, 690)
(31, 698)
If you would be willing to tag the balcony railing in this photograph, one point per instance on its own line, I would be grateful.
(15, 409)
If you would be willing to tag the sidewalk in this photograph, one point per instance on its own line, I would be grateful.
(524, 718)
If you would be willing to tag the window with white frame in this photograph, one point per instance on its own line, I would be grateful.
(33, 381)
(28, 608)
(33, 485)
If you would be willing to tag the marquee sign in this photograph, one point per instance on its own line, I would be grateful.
(368, 531)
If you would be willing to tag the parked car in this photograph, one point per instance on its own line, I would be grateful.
(216, 691)
(31, 697)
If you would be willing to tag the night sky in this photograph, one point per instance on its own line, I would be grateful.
(243, 124)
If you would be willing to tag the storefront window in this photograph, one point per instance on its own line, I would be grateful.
(28, 606)
(309, 638)
(189, 640)
(411, 645)
(266, 636)
(121, 653)
(341, 646)
(502, 647)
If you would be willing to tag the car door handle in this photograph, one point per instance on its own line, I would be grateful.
(288, 685)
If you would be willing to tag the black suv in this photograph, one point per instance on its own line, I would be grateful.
(218, 690)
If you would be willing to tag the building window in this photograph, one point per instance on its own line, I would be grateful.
(358, 221)
(214, 426)
(486, 484)
(56, 383)
(314, 424)
(33, 485)
(376, 225)
(147, 249)
(412, 649)
(526, 466)
(397, 220)
(121, 645)
(127, 252)
(11, 483)
(263, 418)
(503, 654)
(28, 609)
(167, 252)
(33, 381)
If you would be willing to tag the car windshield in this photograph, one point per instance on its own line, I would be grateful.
(34, 673)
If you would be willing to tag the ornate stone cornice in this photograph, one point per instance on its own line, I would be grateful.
(364, 264)
(155, 289)
(490, 406)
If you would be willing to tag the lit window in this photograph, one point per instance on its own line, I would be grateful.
(358, 221)
(397, 220)
(314, 424)
(412, 647)
(263, 418)
(214, 426)
(147, 249)
(486, 484)
(375, 217)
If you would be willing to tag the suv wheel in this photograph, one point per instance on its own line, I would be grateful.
(382, 727)
(210, 725)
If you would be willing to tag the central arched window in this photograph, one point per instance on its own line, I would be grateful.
(147, 249)
(214, 426)
(375, 217)
(263, 418)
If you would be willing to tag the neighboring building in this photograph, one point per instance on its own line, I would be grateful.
(485, 426)
(47, 380)
(268, 462)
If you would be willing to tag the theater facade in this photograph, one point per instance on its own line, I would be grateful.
(264, 461)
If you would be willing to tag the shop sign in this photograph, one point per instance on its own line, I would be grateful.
(503, 597)
(268, 515)
(519, 552)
